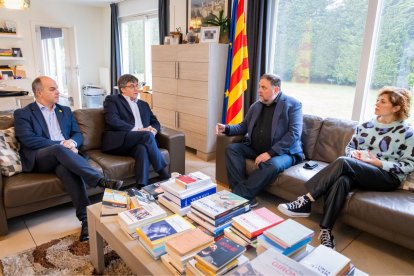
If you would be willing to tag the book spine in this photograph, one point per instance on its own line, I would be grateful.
(187, 201)
(245, 207)
(230, 216)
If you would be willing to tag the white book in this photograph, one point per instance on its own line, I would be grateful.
(134, 218)
(326, 261)
(192, 180)
(182, 193)
(172, 206)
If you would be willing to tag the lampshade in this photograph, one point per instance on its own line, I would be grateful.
(15, 4)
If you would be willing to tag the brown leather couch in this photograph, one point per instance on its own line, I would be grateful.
(28, 192)
(389, 215)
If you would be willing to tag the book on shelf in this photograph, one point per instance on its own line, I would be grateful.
(114, 202)
(154, 189)
(326, 261)
(223, 219)
(271, 262)
(192, 180)
(220, 204)
(195, 195)
(173, 206)
(219, 254)
(216, 231)
(191, 242)
(131, 219)
(288, 233)
(253, 223)
(156, 233)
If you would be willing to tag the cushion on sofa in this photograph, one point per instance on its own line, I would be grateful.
(333, 138)
(310, 131)
(91, 122)
(10, 163)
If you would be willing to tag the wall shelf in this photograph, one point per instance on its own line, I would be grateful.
(12, 36)
(11, 58)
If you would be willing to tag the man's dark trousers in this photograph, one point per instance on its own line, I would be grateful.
(249, 187)
(142, 146)
(73, 170)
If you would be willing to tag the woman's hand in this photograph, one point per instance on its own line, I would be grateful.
(367, 157)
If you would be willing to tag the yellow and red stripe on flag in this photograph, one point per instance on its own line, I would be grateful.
(237, 72)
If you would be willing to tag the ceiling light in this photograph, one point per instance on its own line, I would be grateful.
(15, 4)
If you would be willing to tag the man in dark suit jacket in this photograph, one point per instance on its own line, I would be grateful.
(130, 130)
(49, 139)
(272, 129)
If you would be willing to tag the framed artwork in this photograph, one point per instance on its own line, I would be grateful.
(200, 10)
(8, 27)
(209, 34)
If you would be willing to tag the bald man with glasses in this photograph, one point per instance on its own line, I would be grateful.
(131, 128)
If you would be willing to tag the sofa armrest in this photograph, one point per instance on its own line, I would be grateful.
(3, 217)
(222, 142)
(173, 141)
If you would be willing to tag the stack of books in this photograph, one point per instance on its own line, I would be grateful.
(153, 235)
(215, 212)
(326, 261)
(246, 227)
(182, 248)
(142, 214)
(272, 262)
(114, 202)
(217, 258)
(181, 191)
(138, 198)
(288, 237)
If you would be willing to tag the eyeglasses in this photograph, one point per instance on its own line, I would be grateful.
(132, 86)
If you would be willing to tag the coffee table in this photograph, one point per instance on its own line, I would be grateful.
(131, 251)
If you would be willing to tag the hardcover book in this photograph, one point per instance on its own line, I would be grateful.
(216, 231)
(253, 223)
(173, 188)
(155, 234)
(134, 218)
(288, 233)
(193, 240)
(186, 201)
(326, 261)
(223, 219)
(219, 254)
(220, 204)
(192, 180)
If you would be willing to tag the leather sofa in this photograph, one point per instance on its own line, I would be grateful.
(389, 215)
(24, 193)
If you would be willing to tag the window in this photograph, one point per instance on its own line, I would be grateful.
(394, 55)
(317, 53)
(138, 33)
(334, 55)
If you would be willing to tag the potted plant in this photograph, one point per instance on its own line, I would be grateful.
(223, 22)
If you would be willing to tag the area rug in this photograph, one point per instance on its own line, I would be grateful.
(64, 256)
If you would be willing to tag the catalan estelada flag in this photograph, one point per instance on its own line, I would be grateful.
(237, 72)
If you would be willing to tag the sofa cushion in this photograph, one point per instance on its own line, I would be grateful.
(119, 167)
(91, 122)
(333, 138)
(311, 127)
(10, 163)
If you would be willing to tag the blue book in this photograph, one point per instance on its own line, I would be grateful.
(284, 251)
(223, 219)
(184, 202)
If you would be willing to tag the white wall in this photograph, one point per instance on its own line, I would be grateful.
(131, 7)
(89, 32)
(178, 15)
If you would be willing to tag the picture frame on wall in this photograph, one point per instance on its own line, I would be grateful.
(8, 27)
(200, 10)
(209, 34)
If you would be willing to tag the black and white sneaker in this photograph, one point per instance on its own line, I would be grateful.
(301, 207)
(326, 238)
(253, 203)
